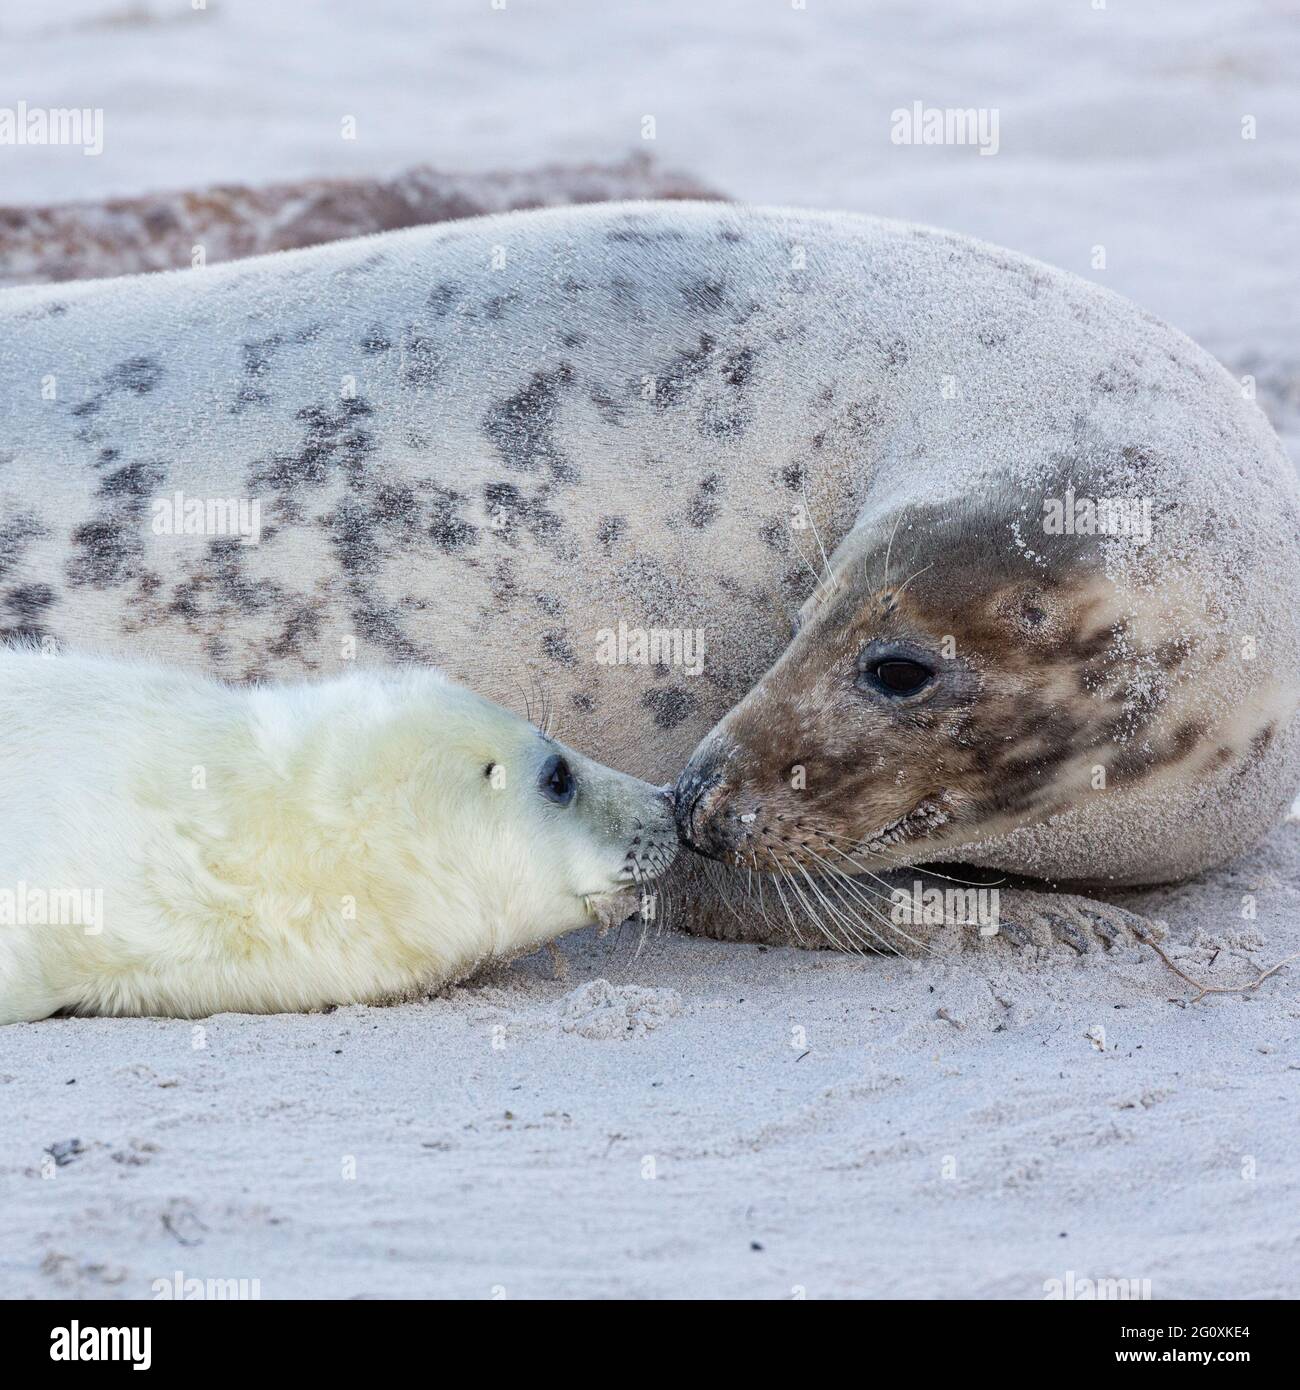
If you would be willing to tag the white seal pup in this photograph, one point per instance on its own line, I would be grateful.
(611, 443)
(170, 845)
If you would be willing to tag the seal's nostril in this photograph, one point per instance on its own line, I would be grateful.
(696, 793)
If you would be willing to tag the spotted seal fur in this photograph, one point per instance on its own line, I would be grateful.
(487, 445)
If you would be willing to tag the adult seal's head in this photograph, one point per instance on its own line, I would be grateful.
(1084, 670)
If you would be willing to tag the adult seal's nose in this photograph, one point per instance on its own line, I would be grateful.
(699, 793)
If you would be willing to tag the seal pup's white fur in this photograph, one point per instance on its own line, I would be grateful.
(284, 847)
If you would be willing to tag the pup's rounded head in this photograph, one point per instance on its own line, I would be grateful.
(533, 835)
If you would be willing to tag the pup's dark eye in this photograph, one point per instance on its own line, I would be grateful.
(898, 675)
(556, 781)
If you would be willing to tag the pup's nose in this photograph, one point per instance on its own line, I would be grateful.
(698, 796)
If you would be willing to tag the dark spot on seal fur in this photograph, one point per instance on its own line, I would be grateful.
(349, 528)
(1260, 742)
(895, 353)
(421, 358)
(669, 706)
(508, 508)
(1186, 737)
(363, 266)
(380, 625)
(108, 548)
(496, 307)
(1138, 462)
(639, 237)
(738, 367)
(53, 310)
(138, 375)
(503, 502)
(249, 395)
(704, 296)
(682, 372)
(443, 298)
(29, 601)
(302, 625)
(331, 439)
(1117, 379)
(1170, 655)
(704, 508)
(449, 531)
(556, 645)
(16, 532)
(522, 426)
(375, 341)
(608, 531)
(220, 576)
(259, 352)
(772, 533)
(367, 526)
(139, 479)
(610, 410)
(504, 585)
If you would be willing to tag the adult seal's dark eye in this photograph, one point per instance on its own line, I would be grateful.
(898, 675)
(556, 780)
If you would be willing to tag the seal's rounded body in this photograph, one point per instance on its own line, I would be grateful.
(605, 449)
(175, 846)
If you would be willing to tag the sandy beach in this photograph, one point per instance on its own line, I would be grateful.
(688, 1118)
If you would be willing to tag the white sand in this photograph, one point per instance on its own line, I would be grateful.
(803, 1102)
(1170, 1155)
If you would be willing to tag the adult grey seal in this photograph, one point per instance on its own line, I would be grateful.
(1045, 550)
